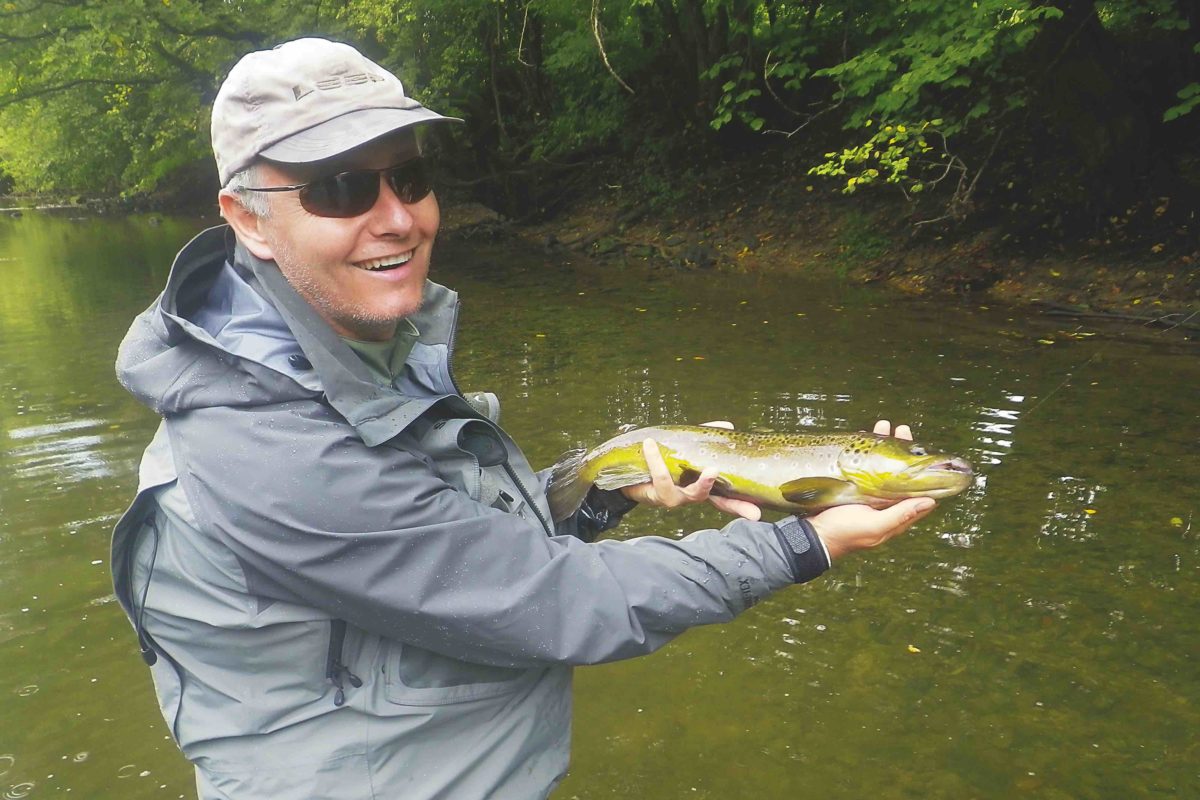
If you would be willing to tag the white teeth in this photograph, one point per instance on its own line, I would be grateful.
(390, 261)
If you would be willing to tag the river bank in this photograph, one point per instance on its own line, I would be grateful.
(744, 218)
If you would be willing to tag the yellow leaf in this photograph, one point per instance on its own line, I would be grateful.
(1089, 511)
(1177, 522)
(1045, 341)
(1056, 273)
(1135, 301)
(912, 648)
(1158, 248)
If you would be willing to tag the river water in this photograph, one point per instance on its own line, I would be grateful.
(1036, 636)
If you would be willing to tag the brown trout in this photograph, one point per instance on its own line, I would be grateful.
(799, 472)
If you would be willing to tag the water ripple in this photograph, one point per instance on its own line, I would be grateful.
(68, 450)
(18, 790)
(51, 429)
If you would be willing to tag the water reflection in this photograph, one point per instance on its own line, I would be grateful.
(793, 411)
(1071, 507)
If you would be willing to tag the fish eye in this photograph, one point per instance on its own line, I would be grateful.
(917, 450)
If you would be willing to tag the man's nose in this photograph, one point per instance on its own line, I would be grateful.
(390, 214)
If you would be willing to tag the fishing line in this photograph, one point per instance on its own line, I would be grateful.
(1065, 381)
(1094, 356)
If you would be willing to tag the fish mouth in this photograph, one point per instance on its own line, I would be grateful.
(949, 465)
(935, 476)
(953, 465)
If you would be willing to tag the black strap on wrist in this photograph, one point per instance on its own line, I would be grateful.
(809, 559)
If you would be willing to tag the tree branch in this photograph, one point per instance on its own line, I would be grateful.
(600, 44)
(63, 87)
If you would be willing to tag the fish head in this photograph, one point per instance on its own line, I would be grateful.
(887, 467)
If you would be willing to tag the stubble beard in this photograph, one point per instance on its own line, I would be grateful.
(355, 320)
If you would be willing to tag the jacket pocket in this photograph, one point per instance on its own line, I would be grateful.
(418, 677)
(465, 453)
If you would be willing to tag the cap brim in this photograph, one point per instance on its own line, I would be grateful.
(340, 134)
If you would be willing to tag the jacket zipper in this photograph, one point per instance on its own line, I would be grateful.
(512, 473)
(450, 348)
(335, 670)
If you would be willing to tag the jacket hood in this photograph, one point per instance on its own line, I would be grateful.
(229, 330)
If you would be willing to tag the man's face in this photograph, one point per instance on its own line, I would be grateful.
(329, 261)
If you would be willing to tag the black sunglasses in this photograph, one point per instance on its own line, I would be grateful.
(348, 194)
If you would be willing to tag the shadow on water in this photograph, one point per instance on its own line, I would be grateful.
(1034, 636)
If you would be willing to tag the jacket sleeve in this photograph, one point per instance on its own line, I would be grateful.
(373, 536)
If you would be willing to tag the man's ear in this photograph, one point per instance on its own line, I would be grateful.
(246, 224)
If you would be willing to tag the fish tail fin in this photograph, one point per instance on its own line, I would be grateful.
(567, 486)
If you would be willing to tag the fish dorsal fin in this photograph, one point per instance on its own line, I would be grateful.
(812, 491)
(617, 476)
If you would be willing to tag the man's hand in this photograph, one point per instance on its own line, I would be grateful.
(845, 529)
(661, 490)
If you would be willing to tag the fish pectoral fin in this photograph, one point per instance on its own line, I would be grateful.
(689, 475)
(813, 491)
(618, 476)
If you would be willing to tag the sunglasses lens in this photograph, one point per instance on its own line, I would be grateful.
(410, 181)
(349, 194)
(346, 194)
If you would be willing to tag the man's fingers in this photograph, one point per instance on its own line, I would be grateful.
(699, 488)
(884, 428)
(907, 512)
(660, 476)
(739, 508)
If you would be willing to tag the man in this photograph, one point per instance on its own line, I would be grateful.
(341, 571)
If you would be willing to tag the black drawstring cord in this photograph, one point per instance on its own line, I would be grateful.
(148, 654)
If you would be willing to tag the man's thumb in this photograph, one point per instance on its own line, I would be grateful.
(908, 510)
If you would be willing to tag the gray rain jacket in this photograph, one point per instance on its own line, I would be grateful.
(350, 590)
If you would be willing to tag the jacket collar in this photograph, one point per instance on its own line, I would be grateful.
(377, 412)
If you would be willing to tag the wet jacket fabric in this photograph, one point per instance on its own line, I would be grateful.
(351, 590)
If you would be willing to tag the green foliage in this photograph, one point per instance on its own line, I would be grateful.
(860, 241)
(114, 96)
(1190, 95)
(736, 91)
(889, 154)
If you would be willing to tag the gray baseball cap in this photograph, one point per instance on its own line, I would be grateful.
(306, 100)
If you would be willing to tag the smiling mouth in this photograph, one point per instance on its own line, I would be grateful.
(385, 264)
